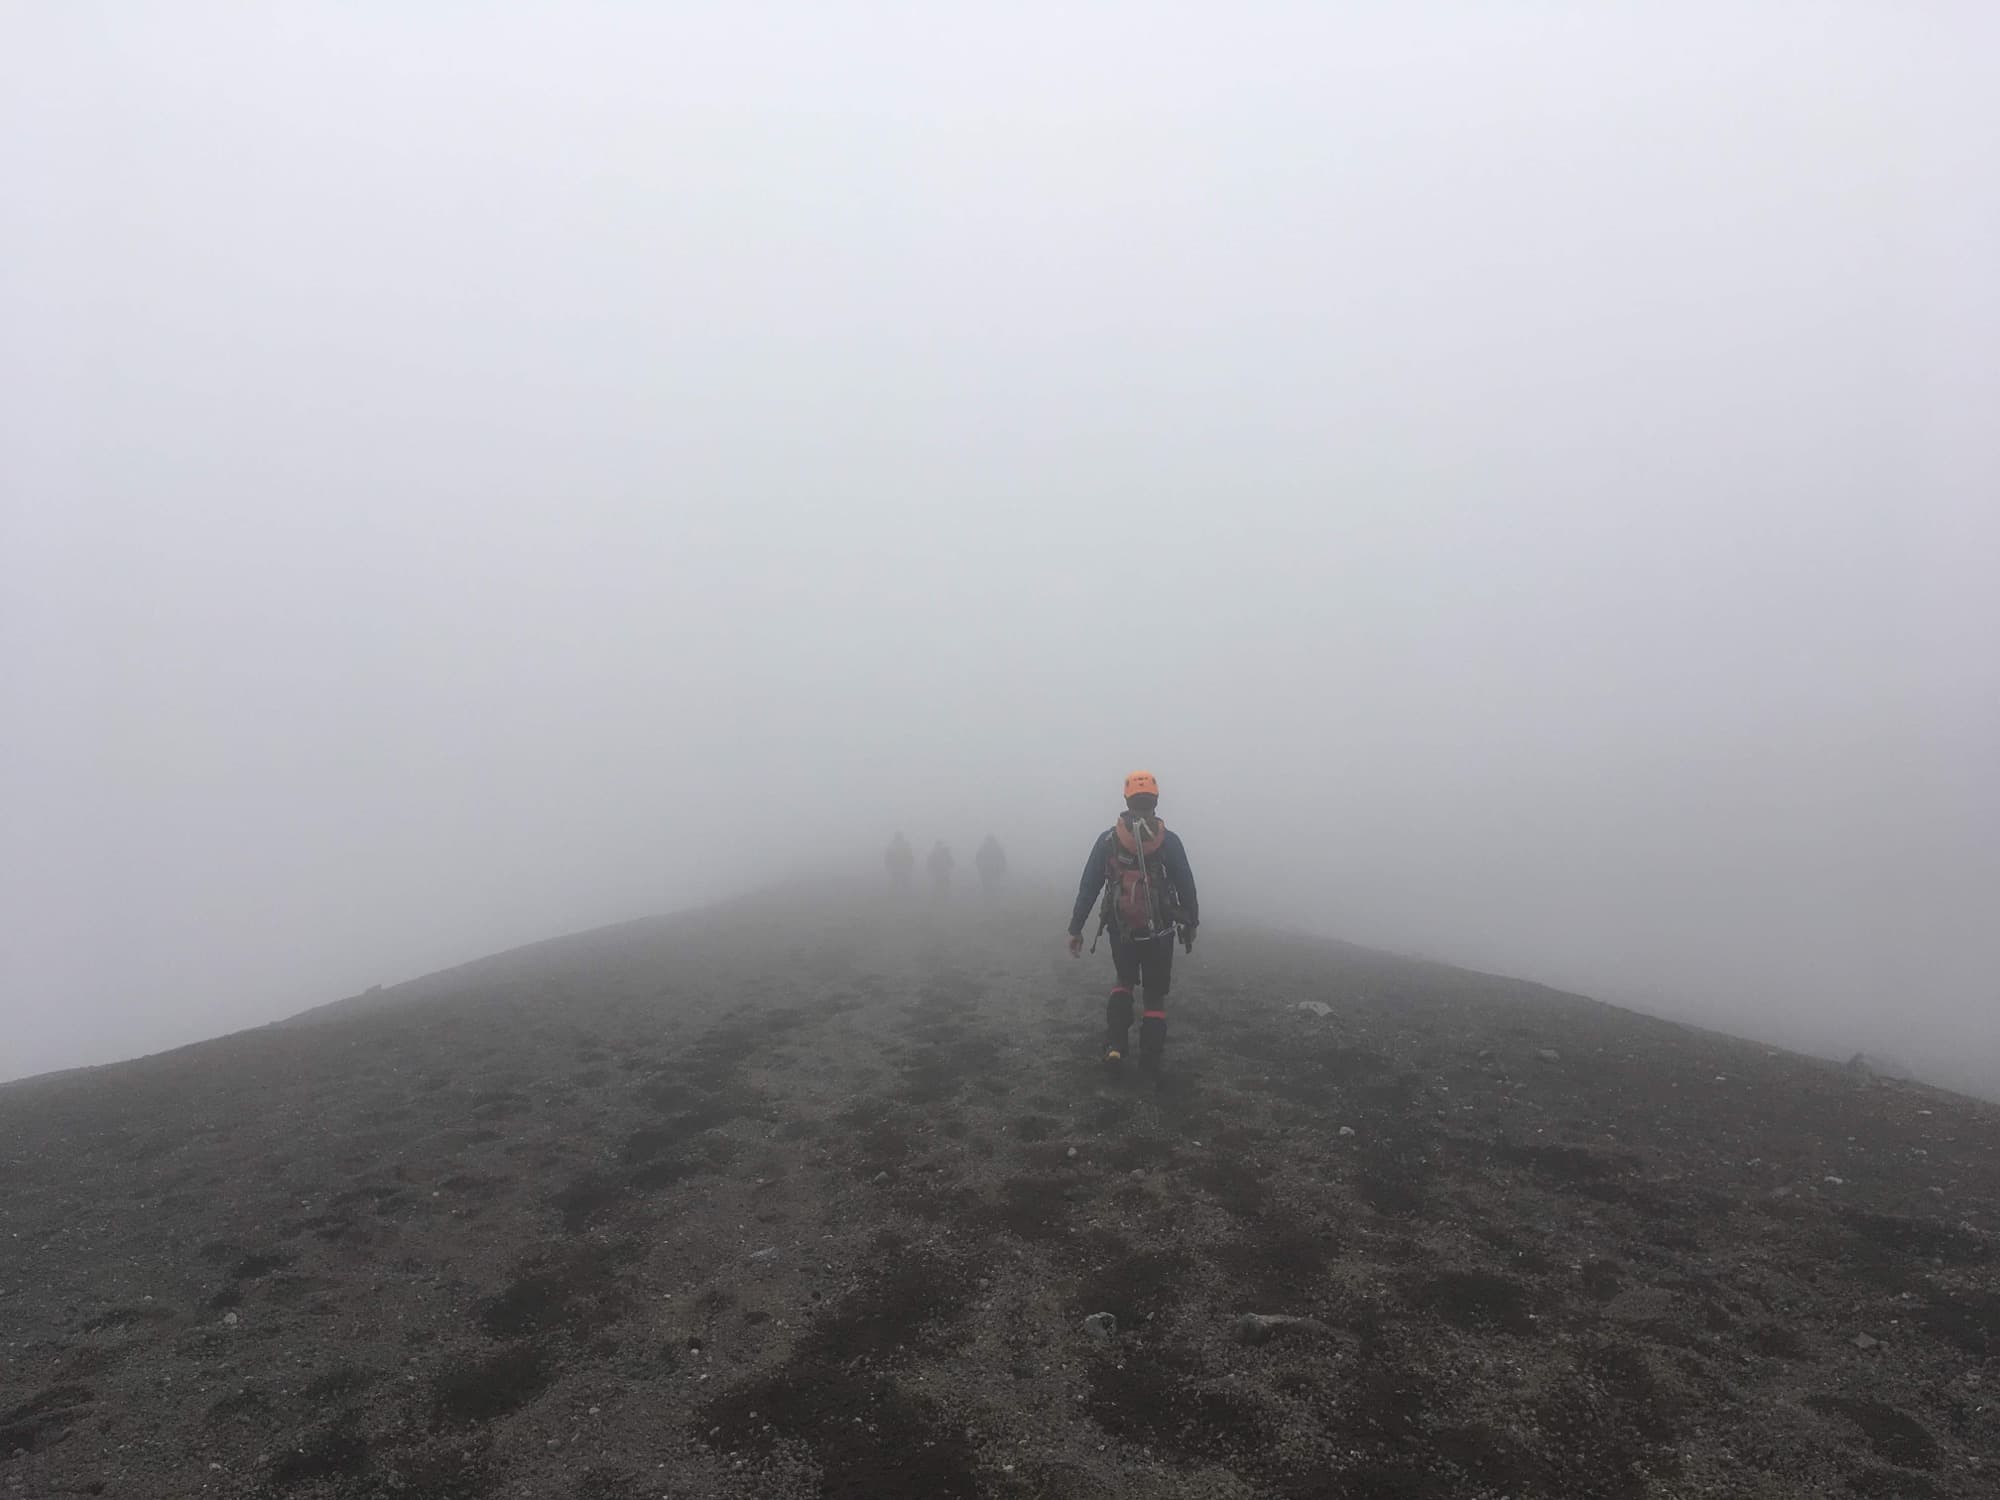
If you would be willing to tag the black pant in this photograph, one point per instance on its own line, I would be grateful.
(1148, 963)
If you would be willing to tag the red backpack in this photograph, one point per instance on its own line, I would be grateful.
(1138, 898)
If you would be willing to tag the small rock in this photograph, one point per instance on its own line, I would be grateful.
(1548, 1055)
(1316, 1007)
(1256, 1328)
(1138, 1171)
(1347, 1130)
(1863, 1342)
(1835, 1181)
(1100, 1326)
(1071, 1153)
(230, 1320)
(767, 1254)
(880, 1179)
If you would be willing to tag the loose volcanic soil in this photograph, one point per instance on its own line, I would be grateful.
(732, 1206)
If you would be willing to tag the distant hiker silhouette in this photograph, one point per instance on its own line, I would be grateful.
(939, 864)
(991, 863)
(1142, 873)
(900, 860)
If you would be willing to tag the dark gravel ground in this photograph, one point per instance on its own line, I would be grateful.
(719, 1206)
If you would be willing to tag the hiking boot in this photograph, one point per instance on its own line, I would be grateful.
(1115, 1048)
(1152, 1044)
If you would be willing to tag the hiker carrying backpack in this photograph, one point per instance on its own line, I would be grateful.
(991, 862)
(1141, 872)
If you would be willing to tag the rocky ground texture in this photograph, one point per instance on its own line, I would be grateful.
(728, 1206)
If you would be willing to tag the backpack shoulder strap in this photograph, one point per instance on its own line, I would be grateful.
(1132, 843)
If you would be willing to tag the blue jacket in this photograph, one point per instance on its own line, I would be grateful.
(1172, 854)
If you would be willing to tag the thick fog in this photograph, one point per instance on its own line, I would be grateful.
(1524, 477)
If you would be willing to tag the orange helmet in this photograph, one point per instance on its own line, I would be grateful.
(1141, 784)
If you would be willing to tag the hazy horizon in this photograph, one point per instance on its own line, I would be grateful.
(1524, 480)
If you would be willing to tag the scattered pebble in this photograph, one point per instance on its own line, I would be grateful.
(1863, 1342)
(1100, 1326)
(1835, 1181)
(230, 1320)
(1071, 1153)
(1548, 1055)
(768, 1253)
(1316, 1007)
(1347, 1130)
(1255, 1328)
(881, 1179)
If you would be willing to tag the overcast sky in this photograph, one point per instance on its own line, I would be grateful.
(1524, 476)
